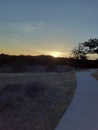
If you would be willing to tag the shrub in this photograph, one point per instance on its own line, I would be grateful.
(35, 88)
(10, 95)
(11, 88)
(15, 94)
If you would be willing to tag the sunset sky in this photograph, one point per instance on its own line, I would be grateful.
(54, 27)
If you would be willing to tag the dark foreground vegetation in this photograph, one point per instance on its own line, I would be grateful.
(12, 63)
(34, 101)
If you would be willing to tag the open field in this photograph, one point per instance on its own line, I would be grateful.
(34, 101)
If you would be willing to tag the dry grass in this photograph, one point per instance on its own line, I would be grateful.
(34, 101)
(95, 75)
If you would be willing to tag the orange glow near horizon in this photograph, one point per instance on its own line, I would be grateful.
(55, 54)
(32, 51)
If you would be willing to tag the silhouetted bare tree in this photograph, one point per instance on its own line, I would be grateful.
(91, 45)
(79, 52)
(88, 47)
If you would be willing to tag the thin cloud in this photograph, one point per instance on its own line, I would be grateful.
(28, 26)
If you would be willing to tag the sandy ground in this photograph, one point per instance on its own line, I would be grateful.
(34, 101)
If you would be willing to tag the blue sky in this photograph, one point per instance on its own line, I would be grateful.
(34, 27)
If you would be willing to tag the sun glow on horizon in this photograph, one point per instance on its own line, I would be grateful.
(55, 54)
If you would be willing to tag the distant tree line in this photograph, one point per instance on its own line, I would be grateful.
(22, 63)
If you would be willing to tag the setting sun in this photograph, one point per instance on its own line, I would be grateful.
(55, 54)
